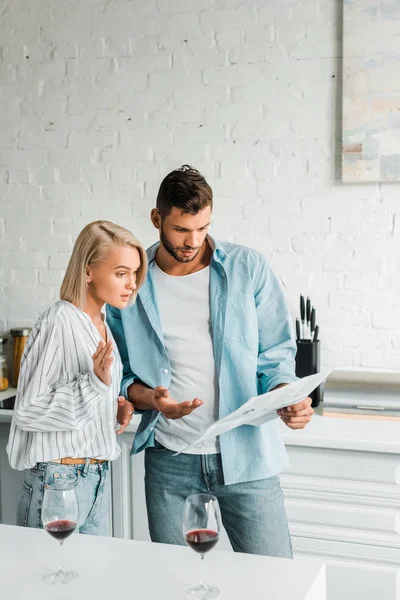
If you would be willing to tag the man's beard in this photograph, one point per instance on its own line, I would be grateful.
(173, 251)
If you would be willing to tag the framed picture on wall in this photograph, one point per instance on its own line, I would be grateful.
(371, 91)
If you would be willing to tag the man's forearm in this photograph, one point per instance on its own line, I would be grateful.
(141, 396)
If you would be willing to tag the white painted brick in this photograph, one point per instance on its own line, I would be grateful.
(228, 18)
(45, 175)
(84, 69)
(24, 276)
(145, 138)
(79, 102)
(70, 156)
(128, 10)
(129, 66)
(379, 359)
(337, 358)
(116, 192)
(66, 49)
(122, 174)
(25, 260)
(31, 74)
(14, 54)
(37, 137)
(18, 176)
(271, 206)
(117, 47)
(237, 75)
(199, 133)
(70, 174)
(51, 278)
(7, 74)
(230, 38)
(59, 260)
(95, 174)
(178, 6)
(386, 318)
(290, 32)
(194, 63)
(91, 139)
(19, 226)
(62, 243)
(18, 158)
(119, 119)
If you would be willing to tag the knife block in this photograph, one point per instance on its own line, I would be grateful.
(308, 363)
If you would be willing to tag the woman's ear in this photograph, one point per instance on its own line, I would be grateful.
(89, 274)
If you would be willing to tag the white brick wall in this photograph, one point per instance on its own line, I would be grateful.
(99, 99)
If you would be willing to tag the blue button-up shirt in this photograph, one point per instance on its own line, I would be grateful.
(254, 351)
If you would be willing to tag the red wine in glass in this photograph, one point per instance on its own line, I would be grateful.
(60, 513)
(202, 540)
(60, 530)
(201, 527)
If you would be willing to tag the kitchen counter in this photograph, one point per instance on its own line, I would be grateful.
(116, 568)
(370, 435)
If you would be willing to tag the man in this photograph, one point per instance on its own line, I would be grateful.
(209, 330)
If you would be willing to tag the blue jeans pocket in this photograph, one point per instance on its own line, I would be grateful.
(62, 477)
(24, 505)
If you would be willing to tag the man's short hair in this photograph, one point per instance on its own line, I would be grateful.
(184, 188)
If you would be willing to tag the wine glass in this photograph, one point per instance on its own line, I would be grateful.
(60, 519)
(201, 527)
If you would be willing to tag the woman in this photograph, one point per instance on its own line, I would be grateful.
(64, 423)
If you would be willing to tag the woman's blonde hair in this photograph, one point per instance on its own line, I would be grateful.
(91, 247)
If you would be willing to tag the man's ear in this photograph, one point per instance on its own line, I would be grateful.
(155, 218)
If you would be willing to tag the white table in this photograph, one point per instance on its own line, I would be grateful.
(112, 568)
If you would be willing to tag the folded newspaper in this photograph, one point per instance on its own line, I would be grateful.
(260, 409)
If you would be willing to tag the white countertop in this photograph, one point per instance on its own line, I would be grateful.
(116, 568)
(323, 432)
(370, 435)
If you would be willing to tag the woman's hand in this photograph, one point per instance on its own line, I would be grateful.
(102, 361)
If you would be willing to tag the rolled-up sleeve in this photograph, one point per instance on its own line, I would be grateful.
(277, 347)
(47, 399)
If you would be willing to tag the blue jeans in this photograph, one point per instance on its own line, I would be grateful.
(253, 513)
(92, 486)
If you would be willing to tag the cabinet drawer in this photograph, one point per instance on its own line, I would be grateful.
(348, 472)
(335, 519)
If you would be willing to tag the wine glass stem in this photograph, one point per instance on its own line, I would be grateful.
(61, 568)
(202, 584)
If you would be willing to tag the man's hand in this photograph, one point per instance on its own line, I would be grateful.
(298, 415)
(171, 409)
(124, 413)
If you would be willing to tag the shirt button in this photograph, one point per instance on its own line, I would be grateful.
(151, 428)
(165, 371)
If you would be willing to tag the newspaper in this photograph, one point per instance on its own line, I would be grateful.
(260, 409)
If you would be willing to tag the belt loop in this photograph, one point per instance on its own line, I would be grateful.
(86, 467)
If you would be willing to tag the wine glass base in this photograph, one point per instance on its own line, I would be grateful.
(202, 591)
(61, 577)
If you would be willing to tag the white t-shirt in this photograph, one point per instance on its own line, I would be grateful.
(184, 305)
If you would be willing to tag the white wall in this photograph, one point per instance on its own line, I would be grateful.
(100, 99)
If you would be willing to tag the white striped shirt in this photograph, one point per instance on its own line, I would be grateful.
(62, 409)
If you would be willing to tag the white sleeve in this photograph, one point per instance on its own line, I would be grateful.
(44, 403)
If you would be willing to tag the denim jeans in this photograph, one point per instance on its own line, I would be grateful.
(253, 513)
(92, 486)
